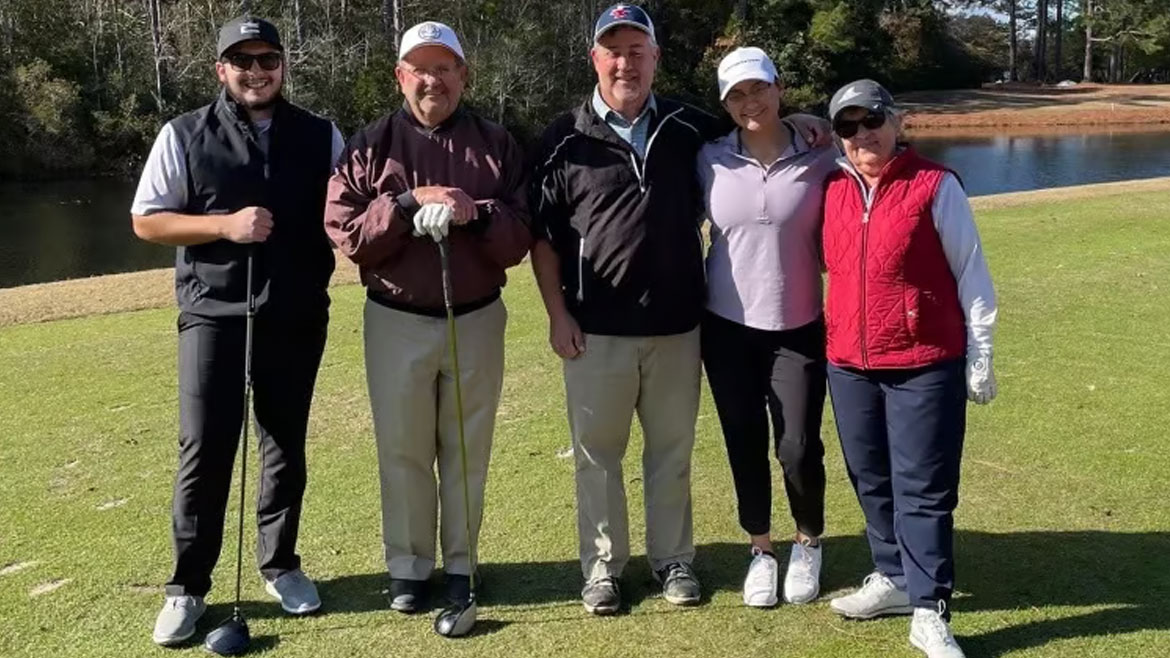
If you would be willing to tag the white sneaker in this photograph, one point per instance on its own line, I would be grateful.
(802, 581)
(931, 634)
(296, 593)
(176, 621)
(759, 588)
(878, 596)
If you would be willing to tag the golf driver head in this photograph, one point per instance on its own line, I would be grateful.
(457, 619)
(231, 638)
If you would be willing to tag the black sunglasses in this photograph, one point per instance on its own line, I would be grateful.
(846, 129)
(269, 61)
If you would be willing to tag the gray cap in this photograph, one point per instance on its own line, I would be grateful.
(246, 28)
(860, 93)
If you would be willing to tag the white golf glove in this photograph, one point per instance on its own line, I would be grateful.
(981, 387)
(433, 219)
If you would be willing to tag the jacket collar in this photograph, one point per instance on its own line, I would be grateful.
(588, 123)
(445, 125)
(228, 108)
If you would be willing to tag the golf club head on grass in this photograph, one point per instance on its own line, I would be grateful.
(457, 619)
(231, 638)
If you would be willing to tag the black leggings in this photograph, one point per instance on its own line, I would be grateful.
(753, 372)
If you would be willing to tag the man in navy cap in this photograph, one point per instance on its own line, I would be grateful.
(241, 178)
(619, 261)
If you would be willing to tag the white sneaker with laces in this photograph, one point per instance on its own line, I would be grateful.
(176, 621)
(763, 576)
(931, 633)
(802, 581)
(296, 593)
(878, 596)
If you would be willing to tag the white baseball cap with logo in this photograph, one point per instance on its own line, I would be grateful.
(430, 33)
(744, 64)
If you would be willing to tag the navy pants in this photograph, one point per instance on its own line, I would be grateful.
(902, 437)
(285, 358)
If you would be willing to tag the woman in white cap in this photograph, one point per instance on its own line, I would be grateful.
(763, 338)
(910, 313)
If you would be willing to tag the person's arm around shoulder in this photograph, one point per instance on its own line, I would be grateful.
(506, 224)
(955, 224)
(549, 214)
(815, 130)
(156, 212)
(369, 227)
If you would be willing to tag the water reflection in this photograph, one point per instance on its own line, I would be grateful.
(1006, 162)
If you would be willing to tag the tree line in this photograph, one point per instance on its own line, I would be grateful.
(85, 84)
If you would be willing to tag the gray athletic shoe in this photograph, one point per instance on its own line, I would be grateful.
(602, 596)
(296, 593)
(679, 584)
(176, 621)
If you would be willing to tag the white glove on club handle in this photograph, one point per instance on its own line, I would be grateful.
(433, 219)
(981, 387)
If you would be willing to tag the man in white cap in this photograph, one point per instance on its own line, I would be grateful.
(427, 172)
(619, 261)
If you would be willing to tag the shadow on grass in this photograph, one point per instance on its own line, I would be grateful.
(996, 571)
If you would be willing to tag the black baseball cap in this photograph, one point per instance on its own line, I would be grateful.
(860, 93)
(247, 28)
(623, 14)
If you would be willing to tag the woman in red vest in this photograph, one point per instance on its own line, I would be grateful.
(910, 311)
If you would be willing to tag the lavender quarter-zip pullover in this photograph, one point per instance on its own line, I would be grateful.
(764, 264)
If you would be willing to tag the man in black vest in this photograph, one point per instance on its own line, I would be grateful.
(243, 176)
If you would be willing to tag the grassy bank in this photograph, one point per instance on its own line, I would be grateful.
(1063, 528)
(1025, 105)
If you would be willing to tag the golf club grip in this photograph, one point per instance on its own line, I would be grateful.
(445, 267)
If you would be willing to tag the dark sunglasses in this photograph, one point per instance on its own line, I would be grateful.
(847, 129)
(243, 62)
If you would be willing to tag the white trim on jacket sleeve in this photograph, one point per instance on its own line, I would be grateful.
(955, 224)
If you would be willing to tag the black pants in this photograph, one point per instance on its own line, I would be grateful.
(753, 372)
(285, 358)
(902, 437)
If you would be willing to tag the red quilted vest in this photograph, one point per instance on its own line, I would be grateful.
(892, 301)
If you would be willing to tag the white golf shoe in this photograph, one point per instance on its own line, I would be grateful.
(931, 633)
(802, 581)
(878, 596)
(176, 621)
(759, 588)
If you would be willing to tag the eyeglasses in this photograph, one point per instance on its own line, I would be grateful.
(437, 73)
(269, 61)
(736, 96)
(846, 129)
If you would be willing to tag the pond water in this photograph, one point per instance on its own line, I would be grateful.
(70, 229)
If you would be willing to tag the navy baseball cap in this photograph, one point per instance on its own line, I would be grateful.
(623, 14)
(246, 28)
(860, 93)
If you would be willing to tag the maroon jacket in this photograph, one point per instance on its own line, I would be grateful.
(892, 300)
(369, 208)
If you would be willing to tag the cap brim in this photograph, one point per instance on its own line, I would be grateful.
(622, 23)
(246, 40)
(872, 107)
(747, 75)
(424, 44)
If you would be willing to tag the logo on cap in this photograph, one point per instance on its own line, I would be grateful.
(850, 94)
(429, 32)
(250, 28)
(620, 12)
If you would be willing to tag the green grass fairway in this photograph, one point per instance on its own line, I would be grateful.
(1063, 529)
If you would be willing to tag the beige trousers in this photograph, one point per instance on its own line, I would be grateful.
(657, 377)
(412, 395)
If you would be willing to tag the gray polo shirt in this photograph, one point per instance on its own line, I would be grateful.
(764, 265)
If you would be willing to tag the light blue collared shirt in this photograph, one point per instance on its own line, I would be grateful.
(633, 133)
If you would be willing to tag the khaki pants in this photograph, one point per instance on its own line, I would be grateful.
(412, 395)
(657, 376)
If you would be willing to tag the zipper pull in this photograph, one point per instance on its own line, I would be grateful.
(865, 218)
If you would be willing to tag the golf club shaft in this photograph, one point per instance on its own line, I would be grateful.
(244, 433)
(445, 265)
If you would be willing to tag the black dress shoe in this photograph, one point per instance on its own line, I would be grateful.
(406, 595)
(457, 588)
